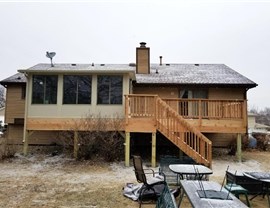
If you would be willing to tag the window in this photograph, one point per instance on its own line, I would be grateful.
(77, 89)
(191, 108)
(44, 89)
(23, 92)
(110, 90)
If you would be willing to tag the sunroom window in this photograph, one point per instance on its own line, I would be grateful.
(77, 89)
(110, 90)
(44, 89)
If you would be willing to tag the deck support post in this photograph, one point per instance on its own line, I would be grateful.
(239, 147)
(76, 145)
(154, 141)
(25, 143)
(127, 149)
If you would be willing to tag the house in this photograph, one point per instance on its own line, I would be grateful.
(194, 106)
(14, 107)
(254, 127)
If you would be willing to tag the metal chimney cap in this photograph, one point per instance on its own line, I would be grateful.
(142, 44)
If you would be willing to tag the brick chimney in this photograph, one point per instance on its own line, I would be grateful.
(142, 59)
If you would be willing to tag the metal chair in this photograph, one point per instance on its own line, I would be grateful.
(152, 187)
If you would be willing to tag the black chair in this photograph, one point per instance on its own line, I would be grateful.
(152, 187)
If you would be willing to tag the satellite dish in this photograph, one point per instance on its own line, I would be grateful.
(50, 55)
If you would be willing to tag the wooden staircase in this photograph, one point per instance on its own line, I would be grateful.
(172, 125)
(182, 134)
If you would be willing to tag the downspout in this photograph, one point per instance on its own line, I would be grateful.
(25, 135)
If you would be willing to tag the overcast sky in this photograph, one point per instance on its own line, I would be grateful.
(235, 33)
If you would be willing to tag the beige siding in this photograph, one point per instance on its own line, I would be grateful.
(222, 140)
(14, 103)
(44, 137)
(77, 111)
(15, 134)
(163, 92)
(173, 92)
(226, 93)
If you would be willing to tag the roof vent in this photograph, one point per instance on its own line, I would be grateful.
(143, 44)
(132, 64)
(73, 64)
(102, 64)
(160, 60)
(197, 64)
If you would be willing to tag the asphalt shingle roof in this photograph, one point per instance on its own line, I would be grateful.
(16, 78)
(81, 67)
(193, 74)
(212, 74)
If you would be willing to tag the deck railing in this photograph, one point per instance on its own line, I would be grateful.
(206, 108)
(140, 105)
(144, 106)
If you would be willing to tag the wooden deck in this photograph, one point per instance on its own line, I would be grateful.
(211, 116)
(182, 121)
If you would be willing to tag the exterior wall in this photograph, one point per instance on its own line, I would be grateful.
(163, 92)
(44, 138)
(222, 140)
(76, 110)
(226, 93)
(173, 92)
(14, 134)
(15, 104)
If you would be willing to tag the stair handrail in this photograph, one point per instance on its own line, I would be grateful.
(190, 128)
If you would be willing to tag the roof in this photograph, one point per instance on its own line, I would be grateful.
(185, 74)
(16, 78)
(119, 68)
(193, 74)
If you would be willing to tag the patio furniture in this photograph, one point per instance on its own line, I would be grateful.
(152, 186)
(205, 194)
(264, 178)
(191, 171)
(166, 160)
(234, 188)
(237, 190)
(250, 184)
(166, 199)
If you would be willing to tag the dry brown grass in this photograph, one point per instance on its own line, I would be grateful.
(42, 181)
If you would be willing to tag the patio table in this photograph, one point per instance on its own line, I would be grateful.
(263, 177)
(190, 171)
(190, 188)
